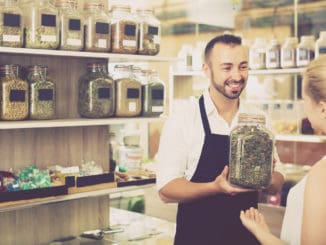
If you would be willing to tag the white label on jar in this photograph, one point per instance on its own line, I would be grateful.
(157, 108)
(102, 43)
(74, 42)
(303, 57)
(129, 43)
(11, 38)
(132, 106)
(156, 39)
(48, 38)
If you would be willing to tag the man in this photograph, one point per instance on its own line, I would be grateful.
(193, 154)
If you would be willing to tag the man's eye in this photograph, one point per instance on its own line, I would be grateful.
(226, 68)
(243, 68)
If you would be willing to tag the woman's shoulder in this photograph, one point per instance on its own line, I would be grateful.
(317, 174)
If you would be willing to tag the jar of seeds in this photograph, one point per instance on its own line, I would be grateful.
(149, 32)
(96, 98)
(71, 25)
(288, 52)
(97, 27)
(41, 25)
(14, 95)
(124, 30)
(42, 99)
(11, 25)
(305, 51)
(251, 152)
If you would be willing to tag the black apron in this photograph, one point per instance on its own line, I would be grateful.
(215, 219)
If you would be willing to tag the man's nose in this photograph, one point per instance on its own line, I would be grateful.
(236, 74)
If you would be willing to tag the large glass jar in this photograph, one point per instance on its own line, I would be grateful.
(97, 27)
(320, 46)
(14, 95)
(96, 98)
(41, 25)
(149, 32)
(128, 97)
(251, 152)
(71, 25)
(124, 30)
(42, 93)
(305, 51)
(257, 54)
(288, 52)
(273, 55)
(11, 25)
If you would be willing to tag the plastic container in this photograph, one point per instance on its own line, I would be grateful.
(257, 54)
(96, 98)
(11, 25)
(185, 57)
(321, 44)
(273, 55)
(251, 153)
(288, 52)
(305, 51)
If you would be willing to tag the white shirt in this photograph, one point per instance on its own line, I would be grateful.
(183, 137)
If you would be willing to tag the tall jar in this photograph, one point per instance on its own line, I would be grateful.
(41, 25)
(152, 94)
(321, 44)
(71, 25)
(251, 152)
(273, 55)
(128, 97)
(149, 32)
(97, 27)
(305, 51)
(96, 97)
(42, 93)
(124, 30)
(14, 95)
(257, 54)
(11, 24)
(288, 52)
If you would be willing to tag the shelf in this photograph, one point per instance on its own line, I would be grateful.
(84, 54)
(301, 138)
(78, 122)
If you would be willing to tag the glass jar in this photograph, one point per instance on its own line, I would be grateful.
(288, 52)
(128, 97)
(124, 30)
(251, 152)
(152, 94)
(42, 96)
(97, 27)
(149, 32)
(273, 53)
(257, 54)
(71, 25)
(320, 44)
(14, 95)
(41, 25)
(96, 98)
(11, 25)
(305, 51)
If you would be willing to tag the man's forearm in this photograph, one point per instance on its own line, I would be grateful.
(276, 184)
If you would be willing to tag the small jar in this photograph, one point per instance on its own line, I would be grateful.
(124, 28)
(321, 44)
(305, 51)
(288, 52)
(257, 54)
(97, 27)
(11, 25)
(42, 93)
(71, 25)
(14, 95)
(149, 32)
(251, 152)
(96, 98)
(273, 55)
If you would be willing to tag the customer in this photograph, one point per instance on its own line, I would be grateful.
(193, 154)
(305, 215)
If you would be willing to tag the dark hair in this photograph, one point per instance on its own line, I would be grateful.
(225, 38)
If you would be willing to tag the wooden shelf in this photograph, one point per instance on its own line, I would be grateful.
(301, 138)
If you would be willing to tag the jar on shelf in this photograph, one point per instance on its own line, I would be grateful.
(42, 93)
(288, 52)
(14, 95)
(305, 51)
(41, 25)
(128, 96)
(97, 27)
(71, 25)
(96, 97)
(320, 44)
(273, 55)
(251, 152)
(257, 54)
(152, 94)
(11, 24)
(124, 28)
(149, 32)
(276, 117)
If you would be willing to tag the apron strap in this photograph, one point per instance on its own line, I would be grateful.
(204, 116)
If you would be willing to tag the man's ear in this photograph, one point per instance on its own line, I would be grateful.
(323, 108)
(206, 70)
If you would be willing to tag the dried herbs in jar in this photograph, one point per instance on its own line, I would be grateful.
(251, 152)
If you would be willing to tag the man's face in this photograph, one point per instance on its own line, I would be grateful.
(228, 69)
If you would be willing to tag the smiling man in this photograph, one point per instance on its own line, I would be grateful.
(194, 153)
